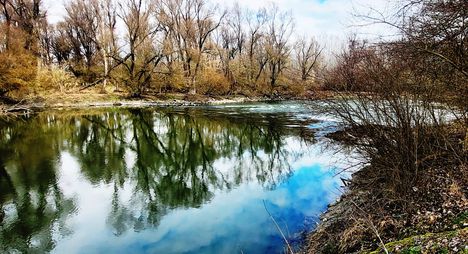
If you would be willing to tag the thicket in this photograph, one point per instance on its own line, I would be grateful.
(408, 116)
(144, 47)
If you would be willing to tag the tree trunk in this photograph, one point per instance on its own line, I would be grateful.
(7, 34)
(106, 70)
(193, 86)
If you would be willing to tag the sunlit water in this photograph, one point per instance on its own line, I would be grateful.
(166, 180)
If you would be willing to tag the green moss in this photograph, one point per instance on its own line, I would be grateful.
(412, 245)
(461, 219)
(330, 248)
(412, 250)
(442, 250)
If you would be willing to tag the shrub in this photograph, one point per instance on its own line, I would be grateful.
(17, 73)
(55, 78)
(212, 82)
(400, 127)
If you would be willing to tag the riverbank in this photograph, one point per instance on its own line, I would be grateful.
(431, 218)
(98, 100)
(95, 98)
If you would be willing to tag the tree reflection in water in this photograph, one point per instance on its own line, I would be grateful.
(32, 205)
(171, 158)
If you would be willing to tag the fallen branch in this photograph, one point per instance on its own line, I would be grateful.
(92, 84)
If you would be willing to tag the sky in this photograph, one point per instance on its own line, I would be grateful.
(329, 21)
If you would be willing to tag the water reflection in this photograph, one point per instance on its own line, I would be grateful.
(157, 181)
(33, 207)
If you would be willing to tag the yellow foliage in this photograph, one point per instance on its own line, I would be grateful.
(174, 80)
(17, 72)
(18, 66)
(55, 78)
(212, 82)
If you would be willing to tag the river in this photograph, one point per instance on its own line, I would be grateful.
(201, 179)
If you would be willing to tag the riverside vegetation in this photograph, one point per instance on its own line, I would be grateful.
(137, 48)
(409, 120)
(408, 115)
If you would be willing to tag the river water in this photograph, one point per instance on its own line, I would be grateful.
(166, 180)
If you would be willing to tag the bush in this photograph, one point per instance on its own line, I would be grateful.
(55, 78)
(400, 127)
(18, 66)
(172, 80)
(212, 82)
(17, 73)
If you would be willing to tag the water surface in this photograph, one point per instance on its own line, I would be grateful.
(165, 180)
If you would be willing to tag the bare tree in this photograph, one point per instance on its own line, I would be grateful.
(142, 56)
(107, 34)
(83, 20)
(61, 46)
(187, 43)
(307, 54)
(256, 59)
(279, 29)
(70, 37)
(26, 15)
(190, 24)
(231, 42)
(45, 40)
(88, 35)
(434, 34)
(7, 18)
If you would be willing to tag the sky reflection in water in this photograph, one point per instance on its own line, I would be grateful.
(189, 180)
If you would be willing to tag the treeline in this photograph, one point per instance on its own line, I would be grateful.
(142, 46)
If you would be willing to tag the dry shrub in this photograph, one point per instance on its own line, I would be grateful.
(349, 73)
(296, 90)
(294, 86)
(289, 88)
(212, 82)
(55, 78)
(171, 80)
(17, 65)
(410, 140)
(416, 153)
(17, 73)
(399, 129)
(262, 86)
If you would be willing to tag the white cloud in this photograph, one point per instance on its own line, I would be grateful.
(324, 18)
(330, 21)
(55, 10)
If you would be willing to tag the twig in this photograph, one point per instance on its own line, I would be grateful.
(15, 108)
(376, 232)
(279, 229)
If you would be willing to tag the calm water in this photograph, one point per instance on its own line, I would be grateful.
(164, 180)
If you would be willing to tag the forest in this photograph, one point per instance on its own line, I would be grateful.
(142, 47)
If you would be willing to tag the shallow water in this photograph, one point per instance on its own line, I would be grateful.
(165, 180)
